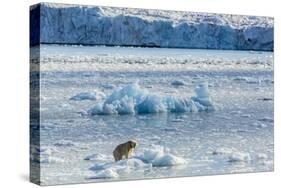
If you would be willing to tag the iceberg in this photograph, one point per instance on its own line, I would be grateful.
(97, 25)
(132, 99)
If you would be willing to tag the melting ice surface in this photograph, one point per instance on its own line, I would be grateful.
(162, 99)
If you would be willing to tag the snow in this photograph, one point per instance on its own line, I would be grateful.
(76, 24)
(96, 95)
(95, 157)
(156, 156)
(122, 165)
(132, 99)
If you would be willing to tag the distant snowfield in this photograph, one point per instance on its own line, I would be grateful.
(76, 146)
(95, 25)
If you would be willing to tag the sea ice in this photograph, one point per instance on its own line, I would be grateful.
(178, 83)
(221, 151)
(122, 165)
(203, 101)
(44, 155)
(261, 157)
(96, 95)
(104, 174)
(114, 169)
(239, 157)
(246, 115)
(64, 143)
(266, 119)
(157, 156)
(132, 99)
(240, 78)
(253, 81)
(96, 157)
(50, 159)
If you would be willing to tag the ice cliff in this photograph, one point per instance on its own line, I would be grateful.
(95, 25)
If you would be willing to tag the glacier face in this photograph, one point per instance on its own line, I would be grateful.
(95, 25)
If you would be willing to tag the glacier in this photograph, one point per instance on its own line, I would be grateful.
(98, 25)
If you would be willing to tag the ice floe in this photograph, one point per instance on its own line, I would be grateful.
(266, 119)
(178, 83)
(259, 125)
(231, 155)
(114, 169)
(64, 143)
(240, 78)
(132, 99)
(108, 173)
(156, 156)
(239, 157)
(96, 95)
(246, 115)
(222, 151)
(265, 99)
(247, 80)
(96, 157)
(261, 156)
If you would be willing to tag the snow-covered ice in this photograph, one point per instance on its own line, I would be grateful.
(96, 157)
(157, 156)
